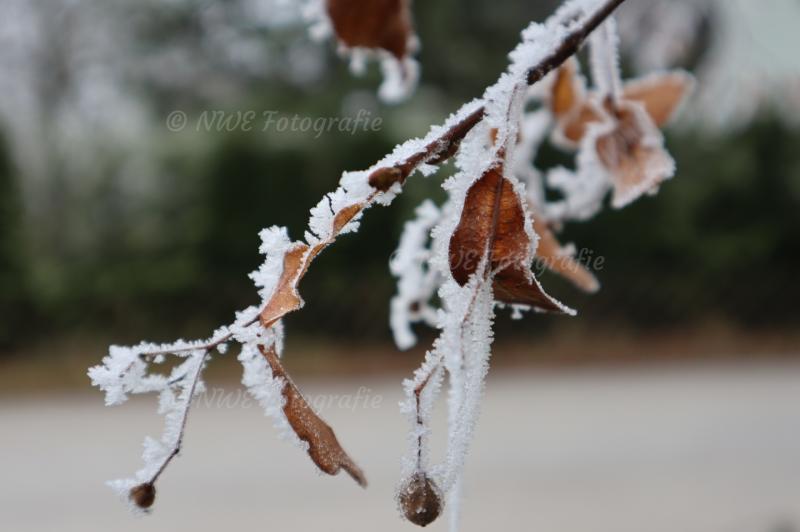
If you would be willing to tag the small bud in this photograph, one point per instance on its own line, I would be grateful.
(420, 499)
(383, 178)
(143, 495)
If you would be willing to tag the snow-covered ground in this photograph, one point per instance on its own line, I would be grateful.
(681, 449)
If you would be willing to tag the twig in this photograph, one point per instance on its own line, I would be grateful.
(207, 346)
(572, 43)
(176, 447)
(418, 406)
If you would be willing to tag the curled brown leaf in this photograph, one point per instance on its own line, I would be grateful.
(323, 447)
(285, 297)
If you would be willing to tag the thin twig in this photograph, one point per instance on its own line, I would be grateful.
(205, 346)
(418, 406)
(176, 447)
(572, 43)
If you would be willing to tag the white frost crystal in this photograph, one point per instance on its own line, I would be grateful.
(416, 282)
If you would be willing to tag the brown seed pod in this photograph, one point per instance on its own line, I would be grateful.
(143, 495)
(420, 499)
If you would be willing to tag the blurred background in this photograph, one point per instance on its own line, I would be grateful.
(669, 403)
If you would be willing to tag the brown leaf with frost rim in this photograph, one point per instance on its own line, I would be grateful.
(633, 154)
(323, 447)
(632, 149)
(493, 221)
(574, 109)
(285, 298)
(558, 260)
(383, 24)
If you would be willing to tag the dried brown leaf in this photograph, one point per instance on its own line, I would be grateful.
(574, 109)
(566, 93)
(661, 94)
(323, 447)
(285, 298)
(518, 285)
(635, 166)
(384, 24)
(550, 252)
(493, 221)
(569, 104)
(345, 216)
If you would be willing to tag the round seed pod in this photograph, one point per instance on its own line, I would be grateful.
(420, 499)
(143, 495)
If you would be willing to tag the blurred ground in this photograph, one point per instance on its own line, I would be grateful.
(59, 363)
(673, 447)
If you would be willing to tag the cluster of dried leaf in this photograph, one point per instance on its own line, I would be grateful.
(476, 251)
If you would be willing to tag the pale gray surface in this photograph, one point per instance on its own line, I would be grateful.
(712, 449)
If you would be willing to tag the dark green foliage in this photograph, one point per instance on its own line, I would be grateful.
(15, 298)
